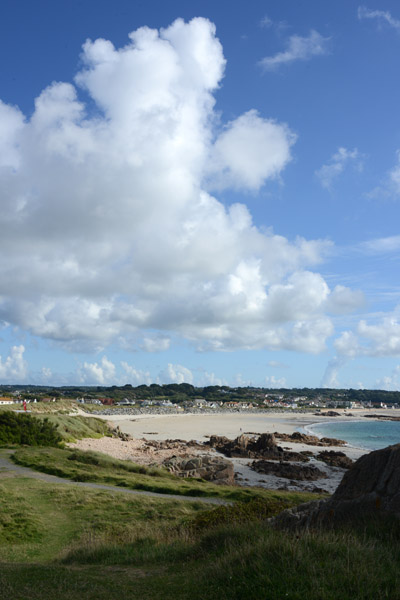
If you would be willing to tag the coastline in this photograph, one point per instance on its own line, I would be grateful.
(199, 427)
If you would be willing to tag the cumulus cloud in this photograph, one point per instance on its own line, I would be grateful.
(379, 339)
(298, 48)
(390, 382)
(249, 151)
(383, 16)
(336, 165)
(135, 376)
(156, 344)
(14, 367)
(176, 374)
(102, 373)
(330, 377)
(109, 230)
(272, 382)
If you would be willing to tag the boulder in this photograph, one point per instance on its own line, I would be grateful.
(210, 468)
(262, 446)
(288, 470)
(335, 459)
(370, 487)
(310, 440)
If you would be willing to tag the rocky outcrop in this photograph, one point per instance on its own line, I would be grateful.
(263, 446)
(328, 413)
(370, 487)
(335, 459)
(176, 444)
(383, 417)
(288, 470)
(310, 440)
(210, 468)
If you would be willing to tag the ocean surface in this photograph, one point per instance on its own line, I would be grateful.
(370, 435)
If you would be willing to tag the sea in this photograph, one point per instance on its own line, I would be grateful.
(370, 435)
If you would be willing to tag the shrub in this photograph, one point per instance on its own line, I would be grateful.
(27, 430)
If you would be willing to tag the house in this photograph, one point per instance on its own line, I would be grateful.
(4, 401)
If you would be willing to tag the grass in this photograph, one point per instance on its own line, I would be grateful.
(100, 468)
(95, 545)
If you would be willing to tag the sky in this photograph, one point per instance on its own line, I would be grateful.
(200, 192)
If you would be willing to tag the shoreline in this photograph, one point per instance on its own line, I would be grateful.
(199, 427)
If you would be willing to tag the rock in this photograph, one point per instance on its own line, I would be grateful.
(288, 470)
(210, 468)
(370, 487)
(309, 440)
(335, 459)
(383, 417)
(262, 446)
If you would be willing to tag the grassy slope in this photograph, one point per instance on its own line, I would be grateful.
(67, 543)
(99, 468)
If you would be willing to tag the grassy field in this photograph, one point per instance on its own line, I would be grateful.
(68, 543)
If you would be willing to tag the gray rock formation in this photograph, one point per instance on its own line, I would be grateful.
(210, 468)
(263, 446)
(370, 487)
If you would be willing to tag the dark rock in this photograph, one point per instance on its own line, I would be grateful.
(288, 470)
(309, 440)
(263, 446)
(383, 417)
(370, 487)
(335, 459)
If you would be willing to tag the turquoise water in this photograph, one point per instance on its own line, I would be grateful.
(371, 435)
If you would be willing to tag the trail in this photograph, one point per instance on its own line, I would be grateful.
(8, 465)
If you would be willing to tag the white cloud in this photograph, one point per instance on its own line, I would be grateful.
(336, 165)
(390, 382)
(298, 48)
(110, 210)
(102, 373)
(381, 15)
(176, 374)
(343, 300)
(249, 151)
(135, 376)
(14, 368)
(378, 339)
(384, 245)
(156, 344)
(272, 382)
(330, 378)
(277, 365)
(390, 186)
(266, 21)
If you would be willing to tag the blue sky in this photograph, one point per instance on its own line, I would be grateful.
(200, 192)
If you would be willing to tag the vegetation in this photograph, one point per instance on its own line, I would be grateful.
(99, 468)
(69, 543)
(65, 397)
(50, 430)
(24, 429)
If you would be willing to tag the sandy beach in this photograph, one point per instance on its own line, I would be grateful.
(199, 427)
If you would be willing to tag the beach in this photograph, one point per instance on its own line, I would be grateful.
(200, 427)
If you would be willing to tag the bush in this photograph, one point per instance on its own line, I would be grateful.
(27, 430)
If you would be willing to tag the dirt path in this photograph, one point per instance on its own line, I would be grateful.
(7, 465)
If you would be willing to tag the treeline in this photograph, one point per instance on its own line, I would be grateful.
(180, 392)
(26, 430)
